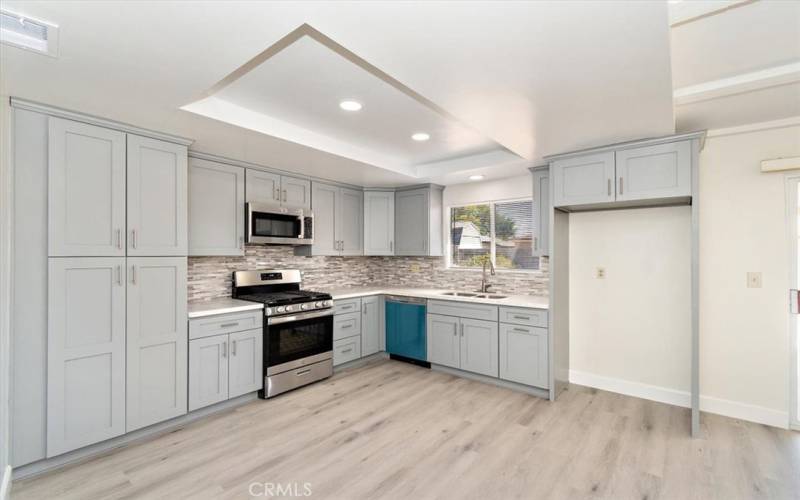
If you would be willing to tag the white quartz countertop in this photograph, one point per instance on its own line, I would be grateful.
(221, 306)
(531, 301)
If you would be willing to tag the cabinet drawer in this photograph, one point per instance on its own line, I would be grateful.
(520, 316)
(225, 323)
(463, 309)
(346, 306)
(347, 349)
(346, 325)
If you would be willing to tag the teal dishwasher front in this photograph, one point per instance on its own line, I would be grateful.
(405, 328)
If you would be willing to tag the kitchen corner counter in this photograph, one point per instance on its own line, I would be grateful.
(221, 306)
(530, 301)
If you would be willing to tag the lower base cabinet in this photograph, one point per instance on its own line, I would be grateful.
(523, 355)
(463, 343)
(224, 366)
(346, 350)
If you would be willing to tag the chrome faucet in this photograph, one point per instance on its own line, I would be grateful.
(485, 286)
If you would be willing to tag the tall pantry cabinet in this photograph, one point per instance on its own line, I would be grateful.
(117, 244)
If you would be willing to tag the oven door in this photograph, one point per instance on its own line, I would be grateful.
(297, 340)
(278, 225)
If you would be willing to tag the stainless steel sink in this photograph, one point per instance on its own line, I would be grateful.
(461, 294)
(492, 296)
(476, 295)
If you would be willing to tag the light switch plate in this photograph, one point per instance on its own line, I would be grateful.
(600, 273)
(754, 279)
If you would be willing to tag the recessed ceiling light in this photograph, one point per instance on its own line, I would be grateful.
(350, 105)
(420, 136)
(476, 177)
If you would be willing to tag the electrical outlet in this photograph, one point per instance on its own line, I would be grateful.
(753, 280)
(600, 273)
(415, 268)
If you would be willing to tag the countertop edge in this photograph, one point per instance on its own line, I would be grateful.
(521, 301)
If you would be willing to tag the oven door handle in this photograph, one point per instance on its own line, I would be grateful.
(299, 317)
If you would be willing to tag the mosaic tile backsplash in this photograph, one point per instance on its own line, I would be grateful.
(210, 277)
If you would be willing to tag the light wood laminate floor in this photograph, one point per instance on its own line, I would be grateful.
(392, 430)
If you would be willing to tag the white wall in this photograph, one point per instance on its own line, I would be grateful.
(630, 332)
(489, 190)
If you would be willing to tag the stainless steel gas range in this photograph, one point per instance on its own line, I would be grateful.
(298, 328)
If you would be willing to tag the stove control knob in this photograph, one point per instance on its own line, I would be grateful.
(306, 306)
(318, 304)
(289, 308)
(269, 311)
(280, 309)
(328, 303)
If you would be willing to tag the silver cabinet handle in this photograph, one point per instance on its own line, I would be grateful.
(241, 242)
(133, 238)
(455, 332)
(119, 275)
(349, 325)
(225, 349)
(527, 318)
(620, 186)
(284, 195)
(119, 239)
(276, 195)
(133, 274)
(347, 350)
(609, 187)
(229, 325)
(391, 246)
(234, 347)
(462, 329)
(523, 330)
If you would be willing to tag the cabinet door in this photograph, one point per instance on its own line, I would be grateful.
(443, 340)
(370, 325)
(86, 168)
(262, 187)
(583, 180)
(653, 172)
(523, 354)
(296, 193)
(479, 346)
(157, 340)
(157, 192)
(378, 223)
(411, 222)
(246, 362)
(351, 222)
(208, 371)
(85, 352)
(541, 212)
(216, 208)
(325, 203)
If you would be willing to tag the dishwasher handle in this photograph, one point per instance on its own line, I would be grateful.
(406, 300)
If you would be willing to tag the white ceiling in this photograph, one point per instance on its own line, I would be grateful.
(537, 77)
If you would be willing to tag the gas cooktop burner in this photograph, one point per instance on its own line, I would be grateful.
(283, 298)
(279, 291)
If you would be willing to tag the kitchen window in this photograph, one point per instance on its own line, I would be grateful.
(498, 232)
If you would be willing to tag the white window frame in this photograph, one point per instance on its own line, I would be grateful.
(493, 247)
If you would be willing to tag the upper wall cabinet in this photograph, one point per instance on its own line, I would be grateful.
(86, 169)
(269, 188)
(379, 223)
(418, 221)
(650, 174)
(216, 208)
(157, 197)
(541, 211)
(338, 219)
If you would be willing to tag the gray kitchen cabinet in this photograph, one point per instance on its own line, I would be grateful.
(370, 325)
(523, 355)
(418, 221)
(85, 352)
(654, 172)
(157, 197)
(350, 224)
(86, 207)
(346, 350)
(346, 325)
(479, 346)
(262, 187)
(156, 340)
(541, 211)
(296, 192)
(275, 189)
(338, 220)
(583, 180)
(216, 208)
(444, 343)
(208, 371)
(379, 222)
(245, 363)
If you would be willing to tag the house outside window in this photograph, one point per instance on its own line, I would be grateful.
(496, 232)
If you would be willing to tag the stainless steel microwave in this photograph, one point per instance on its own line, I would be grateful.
(276, 225)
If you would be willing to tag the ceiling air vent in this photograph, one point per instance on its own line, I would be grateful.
(31, 34)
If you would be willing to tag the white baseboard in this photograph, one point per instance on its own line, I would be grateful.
(5, 484)
(724, 407)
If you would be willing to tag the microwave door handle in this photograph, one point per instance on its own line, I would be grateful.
(302, 225)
